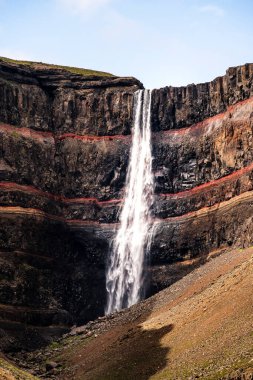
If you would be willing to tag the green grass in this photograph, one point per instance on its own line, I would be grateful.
(74, 70)
(17, 373)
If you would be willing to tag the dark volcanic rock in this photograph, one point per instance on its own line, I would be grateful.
(59, 101)
(69, 167)
(179, 107)
(65, 142)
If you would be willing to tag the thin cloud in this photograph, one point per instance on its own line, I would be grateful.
(213, 9)
(84, 5)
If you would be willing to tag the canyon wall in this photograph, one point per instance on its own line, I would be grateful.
(65, 141)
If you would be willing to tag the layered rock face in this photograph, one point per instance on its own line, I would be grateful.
(57, 172)
(65, 142)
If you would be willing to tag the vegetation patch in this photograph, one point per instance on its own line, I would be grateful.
(10, 372)
(73, 70)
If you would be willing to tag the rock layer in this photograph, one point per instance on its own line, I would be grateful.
(65, 142)
(48, 99)
(179, 107)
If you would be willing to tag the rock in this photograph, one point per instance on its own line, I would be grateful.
(65, 144)
(180, 107)
(51, 365)
(241, 374)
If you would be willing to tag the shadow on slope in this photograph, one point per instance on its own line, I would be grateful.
(116, 347)
(138, 354)
(201, 324)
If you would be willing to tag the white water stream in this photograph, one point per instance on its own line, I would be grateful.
(124, 277)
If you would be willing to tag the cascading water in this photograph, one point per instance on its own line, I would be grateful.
(124, 278)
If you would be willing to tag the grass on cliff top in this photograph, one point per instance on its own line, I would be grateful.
(74, 70)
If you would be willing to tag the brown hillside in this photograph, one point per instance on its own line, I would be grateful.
(200, 327)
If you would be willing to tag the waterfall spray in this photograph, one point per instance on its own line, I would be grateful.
(124, 277)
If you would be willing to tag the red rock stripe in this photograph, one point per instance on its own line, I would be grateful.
(209, 209)
(207, 121)
(78, 222)
(92, 138)
(32, 190)
(41, 214)
(28, 132)
(237, 174)
(36, 135)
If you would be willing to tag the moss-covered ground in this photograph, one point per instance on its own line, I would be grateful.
(10, 372)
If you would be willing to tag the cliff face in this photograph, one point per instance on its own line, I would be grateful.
(180, 107)
(55, 172)
(65, 143)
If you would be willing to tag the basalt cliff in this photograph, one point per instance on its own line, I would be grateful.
(65, 141)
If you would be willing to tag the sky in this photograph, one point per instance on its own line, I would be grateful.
(160, 42)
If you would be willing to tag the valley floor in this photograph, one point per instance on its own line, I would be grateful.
(200, 327)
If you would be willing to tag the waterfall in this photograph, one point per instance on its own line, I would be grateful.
(124, 277)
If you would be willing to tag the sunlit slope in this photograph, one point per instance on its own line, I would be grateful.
(200, 326)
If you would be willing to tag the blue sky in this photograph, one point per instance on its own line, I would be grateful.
(161, 42)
